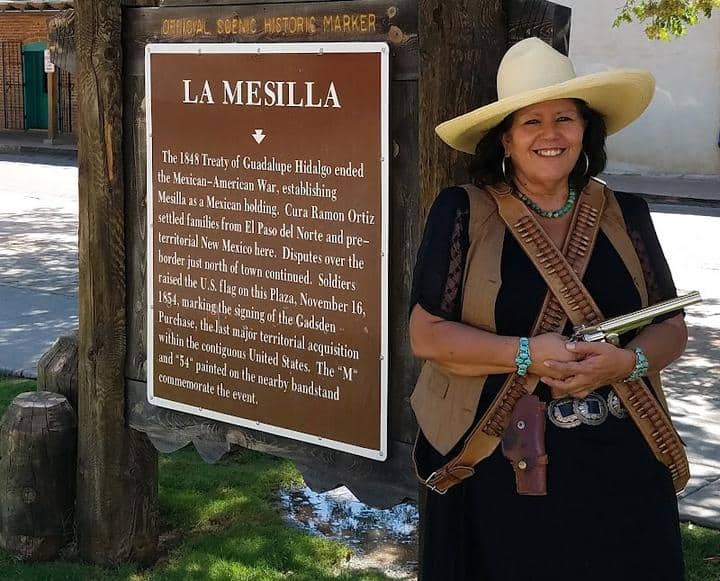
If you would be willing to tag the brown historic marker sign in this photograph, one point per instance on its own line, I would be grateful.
(268, 237)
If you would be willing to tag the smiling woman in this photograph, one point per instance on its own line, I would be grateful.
(544, 141)
(507, 265)
(487, 164)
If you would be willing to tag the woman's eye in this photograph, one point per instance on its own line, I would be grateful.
(565, 119)
(531, 122)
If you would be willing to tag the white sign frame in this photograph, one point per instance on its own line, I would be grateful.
(383, 50)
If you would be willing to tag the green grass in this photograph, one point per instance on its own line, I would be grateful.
(224, 522)
(226, 528)
(10, 387)
(702, 553)
(239, 534)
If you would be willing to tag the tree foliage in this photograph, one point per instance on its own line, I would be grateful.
(665, 19)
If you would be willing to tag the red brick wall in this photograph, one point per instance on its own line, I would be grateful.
(11, 96)
(25, 28)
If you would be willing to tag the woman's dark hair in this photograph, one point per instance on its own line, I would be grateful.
(486, 166)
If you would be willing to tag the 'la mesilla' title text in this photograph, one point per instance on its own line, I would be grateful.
(262, 93)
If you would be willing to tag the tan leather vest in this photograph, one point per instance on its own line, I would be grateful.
(444, 403)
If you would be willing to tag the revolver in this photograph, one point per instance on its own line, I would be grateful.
(611, 329)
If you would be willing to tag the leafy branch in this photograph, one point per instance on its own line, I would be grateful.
(665, 18)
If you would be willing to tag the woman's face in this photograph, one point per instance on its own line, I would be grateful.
(545, 141)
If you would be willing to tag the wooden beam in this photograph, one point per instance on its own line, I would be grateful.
(117, 467)
(546, 20)
(52, 105)
(461, 44)
(61, 36)
(395, 23)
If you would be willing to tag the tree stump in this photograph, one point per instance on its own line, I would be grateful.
(57, 370)
(37, 475)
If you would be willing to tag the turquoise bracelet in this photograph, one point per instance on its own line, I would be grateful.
(522, 359)
(641, 365)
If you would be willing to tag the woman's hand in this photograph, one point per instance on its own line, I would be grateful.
(549, 347)
(597, 364)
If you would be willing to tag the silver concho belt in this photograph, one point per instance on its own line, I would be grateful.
(591, 410)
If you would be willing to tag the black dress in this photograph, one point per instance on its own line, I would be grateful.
(611, 512)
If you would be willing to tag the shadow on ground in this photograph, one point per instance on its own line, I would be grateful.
(692, 384)
(39, 251)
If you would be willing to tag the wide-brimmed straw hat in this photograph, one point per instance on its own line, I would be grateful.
(532, 72)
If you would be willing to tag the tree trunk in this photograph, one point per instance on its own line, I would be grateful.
(117, 467)
(37, 475)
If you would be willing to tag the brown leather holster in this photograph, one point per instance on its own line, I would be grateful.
(523, 443)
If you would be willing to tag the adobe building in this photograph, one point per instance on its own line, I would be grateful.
(24, 82)
(679, 134)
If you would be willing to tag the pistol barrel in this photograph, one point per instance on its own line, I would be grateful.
(623, 323)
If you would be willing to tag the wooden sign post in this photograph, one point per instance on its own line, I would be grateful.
(343, 138)
(49, 69)
(116, 511)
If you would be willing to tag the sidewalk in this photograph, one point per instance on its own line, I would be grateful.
(695, 190)
(690, 244)
(38, 256)
(39, 269)
(36, 141)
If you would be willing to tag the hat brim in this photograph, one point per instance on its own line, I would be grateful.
(620, 95)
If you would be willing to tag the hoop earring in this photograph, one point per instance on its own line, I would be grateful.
(587, 163)
(504, 168)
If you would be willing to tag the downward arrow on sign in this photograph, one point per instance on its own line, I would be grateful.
(258, 135)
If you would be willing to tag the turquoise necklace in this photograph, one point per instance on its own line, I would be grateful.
(559, 213)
